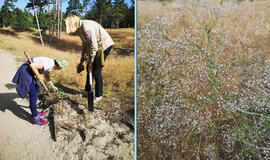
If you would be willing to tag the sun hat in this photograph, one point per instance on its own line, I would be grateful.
(62, 63)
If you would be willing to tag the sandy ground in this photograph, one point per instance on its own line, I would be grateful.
(21, 140)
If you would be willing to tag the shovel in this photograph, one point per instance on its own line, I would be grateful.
(52, 97)
(89, 89)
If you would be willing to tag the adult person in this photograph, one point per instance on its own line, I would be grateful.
(28, 84)
(96, 46)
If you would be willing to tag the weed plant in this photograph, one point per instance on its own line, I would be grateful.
(204, 82)
(60, 93)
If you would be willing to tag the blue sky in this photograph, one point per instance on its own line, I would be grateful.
(22, 3)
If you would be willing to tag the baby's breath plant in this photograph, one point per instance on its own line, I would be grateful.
(203, 83)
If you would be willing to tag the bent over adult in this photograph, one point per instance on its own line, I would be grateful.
(96, 46)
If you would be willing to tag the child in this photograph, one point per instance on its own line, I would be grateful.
(27, 84)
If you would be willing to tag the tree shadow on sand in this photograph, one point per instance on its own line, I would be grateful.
(14, 32)
(67, 90)
(59, 44)
(8, 32)
(8, 103)
(64, 45)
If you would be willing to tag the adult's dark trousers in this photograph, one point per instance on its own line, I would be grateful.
(97, 75)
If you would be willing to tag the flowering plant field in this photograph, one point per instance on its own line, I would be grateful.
(204, 82)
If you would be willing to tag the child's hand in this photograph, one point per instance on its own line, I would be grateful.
(54, 88)
(40, 79)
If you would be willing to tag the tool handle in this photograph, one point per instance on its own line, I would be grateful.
(91, 80)
(37, 74)
(28, 58)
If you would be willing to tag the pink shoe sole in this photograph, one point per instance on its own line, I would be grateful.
(41, 122)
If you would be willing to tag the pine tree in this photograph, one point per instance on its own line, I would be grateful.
(107, 18)
(85, 5)
(42, 15)
(7, 15)
(120, 9)
(23, 20)
(100, 5)
(100, 12)
(74, 7)
(129, 17)
(113, 14)
(38, 3)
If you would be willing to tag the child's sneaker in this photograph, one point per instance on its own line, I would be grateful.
(41, 114)
(41, 122)
(97, 99)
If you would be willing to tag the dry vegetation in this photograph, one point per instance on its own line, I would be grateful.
(203, 81)
(118, 72)
(148, 10)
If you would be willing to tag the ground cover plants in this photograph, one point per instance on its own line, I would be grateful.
(203, 82)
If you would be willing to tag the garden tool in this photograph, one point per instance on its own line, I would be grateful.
(80, 68)
(89, 88)
(52, 97)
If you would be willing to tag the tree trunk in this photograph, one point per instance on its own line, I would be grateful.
(38, 24)
(60, 28)
(100, 8)
(112, 24)
(49, 17)
(57, 12)
(117, 23)
(54, 19)
(54, 23)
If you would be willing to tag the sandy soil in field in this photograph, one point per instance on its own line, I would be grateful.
(93, 136)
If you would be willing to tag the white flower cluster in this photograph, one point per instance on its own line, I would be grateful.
(204, 80)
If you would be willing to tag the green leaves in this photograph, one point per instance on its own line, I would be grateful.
(7, 15)
(60, 93)
(15, 17)
(114, 14)
(74, 7)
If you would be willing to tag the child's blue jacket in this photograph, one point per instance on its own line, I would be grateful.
(23, 78)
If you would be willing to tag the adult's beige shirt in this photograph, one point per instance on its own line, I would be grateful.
(94, 37)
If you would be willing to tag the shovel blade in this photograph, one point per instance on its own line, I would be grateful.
(90, 101)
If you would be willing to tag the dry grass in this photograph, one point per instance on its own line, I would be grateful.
(118, 72)
(148, 10)
(123, 38)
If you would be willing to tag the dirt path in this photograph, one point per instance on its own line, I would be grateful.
(79, 136)
(20, 139)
